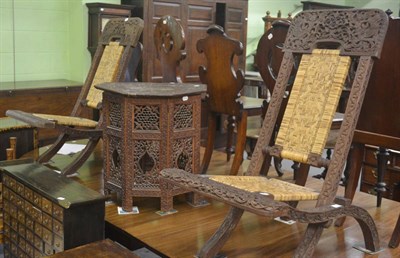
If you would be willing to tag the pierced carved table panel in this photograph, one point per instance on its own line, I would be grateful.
(149, 127)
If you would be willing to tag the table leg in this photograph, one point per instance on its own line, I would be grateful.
(380, 187)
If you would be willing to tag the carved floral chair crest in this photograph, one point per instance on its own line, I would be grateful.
(358, 35)
(114, 51)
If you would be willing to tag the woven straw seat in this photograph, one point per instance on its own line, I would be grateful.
(115, 50)
(327, 42)
(280, 190)
(9, 124)
(69, 120)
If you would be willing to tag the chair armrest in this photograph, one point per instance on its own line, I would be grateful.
(31, 119)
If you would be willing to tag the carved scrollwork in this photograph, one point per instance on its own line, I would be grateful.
(146, 163)
(255, 202)
(182, 154)
(126, 30)
(357, 31)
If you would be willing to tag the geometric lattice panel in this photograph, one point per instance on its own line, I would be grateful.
(115, 116)
(183, 116)
(146, 117)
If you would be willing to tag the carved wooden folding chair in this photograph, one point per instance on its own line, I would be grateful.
(268, 59)
(169, 40)
(223, 93)
(358, 35)
(110, 62)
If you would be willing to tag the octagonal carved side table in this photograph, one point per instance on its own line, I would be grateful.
(149, 127)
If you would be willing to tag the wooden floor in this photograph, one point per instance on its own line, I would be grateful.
(183, 233)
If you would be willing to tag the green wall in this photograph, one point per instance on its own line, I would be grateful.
(44, 40)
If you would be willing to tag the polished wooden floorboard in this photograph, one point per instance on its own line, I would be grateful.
(183, 233)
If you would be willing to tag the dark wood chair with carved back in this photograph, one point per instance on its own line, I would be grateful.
(169, 40)
(305, 126)
(223, 92)
(115, 49)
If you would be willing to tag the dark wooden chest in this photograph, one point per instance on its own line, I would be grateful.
(46, 213)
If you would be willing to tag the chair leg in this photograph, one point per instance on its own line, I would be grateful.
(229, 139)
(278, 166)
(212, 127)
(368, 227)
(240, 144)
(380, 187)
(215, 243)
(309, 241)
(395, 239)
(82, 157)
(53, 149)
(302, 174)
(355, 157)
(301, 178)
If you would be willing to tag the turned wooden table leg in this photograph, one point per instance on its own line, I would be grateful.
(10, 153)
(13, 145)
(380, 187)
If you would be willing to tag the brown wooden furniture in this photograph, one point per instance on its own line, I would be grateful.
(56, 95)
(195, 17)
(169, 41)
(304, 129)
(166, 234)
(379, 125)
(114, 51)
(269, 20)
(25, 135)
(223, 93)
(45, 213)
(100, 249)
(268, 60)
(99, 14)
(370, 169)
(148, 127)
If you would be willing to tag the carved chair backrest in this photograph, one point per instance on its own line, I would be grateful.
(169, 40)
(359, 34)
(269, 52)
(110, 62)
(223, 84)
